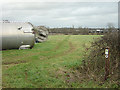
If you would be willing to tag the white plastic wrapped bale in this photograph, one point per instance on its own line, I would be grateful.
(16, 34)
(41, 34)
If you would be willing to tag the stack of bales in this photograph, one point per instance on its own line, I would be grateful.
(16, 34)
(20, 35)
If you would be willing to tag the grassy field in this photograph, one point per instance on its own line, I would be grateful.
(48, 65)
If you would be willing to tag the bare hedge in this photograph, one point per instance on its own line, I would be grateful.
(93, 65)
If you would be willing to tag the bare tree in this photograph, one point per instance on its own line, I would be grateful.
(110, 27)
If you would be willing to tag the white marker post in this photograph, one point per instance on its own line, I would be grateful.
(107, 60)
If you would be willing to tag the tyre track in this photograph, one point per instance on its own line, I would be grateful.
(18, 59)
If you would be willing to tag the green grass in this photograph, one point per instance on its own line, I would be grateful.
(48, 65)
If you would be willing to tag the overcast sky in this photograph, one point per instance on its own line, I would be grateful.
(62, 14)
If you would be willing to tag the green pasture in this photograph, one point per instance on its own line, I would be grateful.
(51, 64)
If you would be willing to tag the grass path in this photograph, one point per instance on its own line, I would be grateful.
(48, 64)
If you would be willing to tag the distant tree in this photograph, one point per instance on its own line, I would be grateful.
(80, 27)
(73, 26)
(110, 27)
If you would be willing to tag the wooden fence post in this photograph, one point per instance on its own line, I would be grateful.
(107, 62)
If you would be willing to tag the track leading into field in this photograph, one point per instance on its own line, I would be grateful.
(49, 64)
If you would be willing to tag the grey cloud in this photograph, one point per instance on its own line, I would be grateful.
(55, 14)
